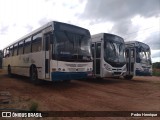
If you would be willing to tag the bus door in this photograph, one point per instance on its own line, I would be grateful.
(96, 53)
(93, 55)
(130, 60)
(47, 48)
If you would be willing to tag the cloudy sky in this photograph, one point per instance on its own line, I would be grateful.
(131, 19)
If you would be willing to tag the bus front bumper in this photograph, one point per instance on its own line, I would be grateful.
(58, 76)
(107, 73)
(143, 73)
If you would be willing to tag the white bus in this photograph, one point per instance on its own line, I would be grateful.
(54, 52)
(138, 58)
(108, 53)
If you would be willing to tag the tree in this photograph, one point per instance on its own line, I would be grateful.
(156, 65)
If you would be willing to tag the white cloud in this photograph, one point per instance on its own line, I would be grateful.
(22, 16)
(148, 26)
(100, 27)
(18, 17)
(157, 59)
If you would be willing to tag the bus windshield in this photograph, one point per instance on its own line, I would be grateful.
(72, 46)
(145, 56)
(114, 53)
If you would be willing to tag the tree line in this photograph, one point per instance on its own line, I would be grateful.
(156, 65)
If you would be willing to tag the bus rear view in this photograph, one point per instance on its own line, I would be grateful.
(108, 55)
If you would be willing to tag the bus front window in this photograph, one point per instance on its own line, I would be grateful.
(72, 46)
(145, 56)
(114, 53)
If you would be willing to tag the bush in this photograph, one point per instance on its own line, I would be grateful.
(156, 72)
(156, 65)
(33, 106)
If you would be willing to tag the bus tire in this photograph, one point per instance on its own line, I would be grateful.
(34, 75)
(66, 81)
(128, 77)
(9, 71)
(116, 77)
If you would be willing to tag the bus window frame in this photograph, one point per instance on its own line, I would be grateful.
(11, 52)
(29, 39)
(15, 54)
(35, 41)
(22, 47)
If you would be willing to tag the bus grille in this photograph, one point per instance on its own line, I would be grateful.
(81, 65)
(71, 65)
(76, 69)
(117, 73)
(74, 65)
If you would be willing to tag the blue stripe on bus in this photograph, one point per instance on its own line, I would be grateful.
(143, 73)
(56, 76)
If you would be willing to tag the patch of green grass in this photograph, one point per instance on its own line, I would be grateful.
(156, 73)
(33, 106)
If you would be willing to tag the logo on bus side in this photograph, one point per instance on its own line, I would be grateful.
(26, 60)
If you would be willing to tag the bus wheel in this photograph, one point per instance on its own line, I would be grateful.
(9, 71)
(66, 81)
(128, 77)
(34, 75)
(116, 77)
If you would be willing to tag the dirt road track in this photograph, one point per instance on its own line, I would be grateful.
(139, 94)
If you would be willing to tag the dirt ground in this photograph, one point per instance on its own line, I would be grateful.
(139, 94)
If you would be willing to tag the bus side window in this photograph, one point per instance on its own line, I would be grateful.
(98, 50)
(47, 38)
(137, 56)
(27, 45)
(20, 48)
(132, 53)
(6, 53)
(15, 49)
(11, 51)
(92, 49)
(37, 42)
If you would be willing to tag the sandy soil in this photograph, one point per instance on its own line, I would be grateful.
(139, 94)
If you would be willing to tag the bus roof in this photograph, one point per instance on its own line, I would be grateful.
(101, 35)
(31, 33)
(52, 23)
(136, 44)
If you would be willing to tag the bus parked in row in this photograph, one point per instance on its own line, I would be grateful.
(55, 51)
(138, 58)
(108, 53)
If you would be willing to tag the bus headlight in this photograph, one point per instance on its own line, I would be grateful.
(107, 67)
(59, 69)
(53, 69)
(125, 69)
(140, 69)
